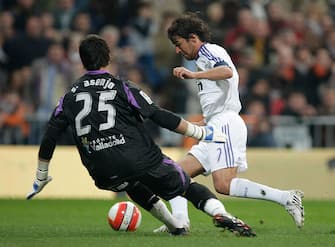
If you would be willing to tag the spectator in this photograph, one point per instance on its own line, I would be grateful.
(24, 48)
(14, 128)
(285, 37)
(129, 59)
(64, 14)
(260, 91)
(165, 57)
(82, 23)
(327, 24)
(327, 107)
(259, 41)
(196, 6)
(259, 126)
(18, 81)
(262, 135)
(50, 78)
(48, 29)
(296, 53)
(6, 32)
(313, 11)
(285, 76)
(236, 38)
(215, 19)
(49, 81)
(96, 10)
(297, 25)
(142, 29)
(303, 62)
(116, 13)
(7, 28)
(112, 34)
(22, 11)
(72, 54)
(298, 106)
(319, 74)
(276, 16)
(231, 10)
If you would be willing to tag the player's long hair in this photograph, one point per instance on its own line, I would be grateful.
(94, 52)
(189, 24)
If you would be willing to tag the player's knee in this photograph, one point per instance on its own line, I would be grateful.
(222, 187)
(222, 179)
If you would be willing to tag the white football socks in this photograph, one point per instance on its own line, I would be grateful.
(162, 213)
(180, 210)
(241, 187)
(214, 207)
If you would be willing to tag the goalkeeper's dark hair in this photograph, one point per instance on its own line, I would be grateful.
(189, 24)
(94, 52)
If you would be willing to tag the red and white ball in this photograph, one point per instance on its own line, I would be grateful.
(124, 216)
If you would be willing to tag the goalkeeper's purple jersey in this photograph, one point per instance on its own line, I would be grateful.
(106, 118)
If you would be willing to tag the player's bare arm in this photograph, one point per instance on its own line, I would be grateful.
(217, 73)
(183, 73)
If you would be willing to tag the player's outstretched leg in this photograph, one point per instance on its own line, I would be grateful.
(295, 208)
(143, 196)
(234, 225)
(290, 199)
(203, 199)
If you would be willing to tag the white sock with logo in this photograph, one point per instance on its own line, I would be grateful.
(240, 187)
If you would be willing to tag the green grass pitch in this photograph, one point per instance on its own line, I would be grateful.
(82, 223)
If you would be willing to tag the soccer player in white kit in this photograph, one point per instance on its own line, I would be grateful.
(217, 81)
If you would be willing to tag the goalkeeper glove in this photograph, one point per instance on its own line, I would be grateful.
(205, 133)
(41, 179)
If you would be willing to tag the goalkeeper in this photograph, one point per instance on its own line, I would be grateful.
(106, 116)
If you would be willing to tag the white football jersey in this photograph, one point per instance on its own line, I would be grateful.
(217, 96)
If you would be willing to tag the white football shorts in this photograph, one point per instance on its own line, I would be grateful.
(215, 156)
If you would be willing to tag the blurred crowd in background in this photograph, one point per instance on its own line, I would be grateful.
(284, 51)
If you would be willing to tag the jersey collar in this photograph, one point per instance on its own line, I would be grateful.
(201, 47)
(96, 72)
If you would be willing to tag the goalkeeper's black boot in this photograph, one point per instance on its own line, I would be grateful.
(234, 225)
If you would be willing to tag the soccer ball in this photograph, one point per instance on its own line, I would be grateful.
(124, 216)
